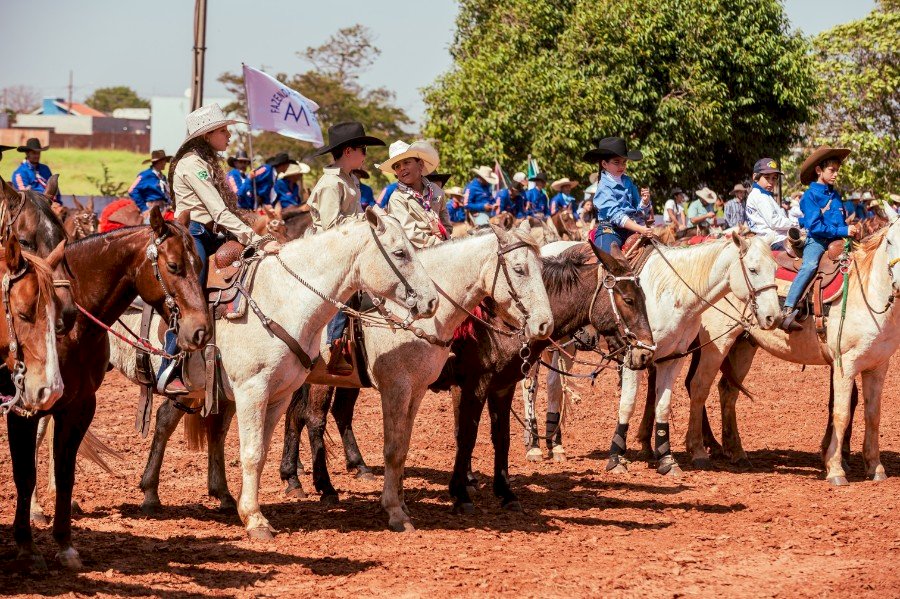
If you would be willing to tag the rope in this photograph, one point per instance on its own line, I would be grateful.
(844, 288)
(141, 344)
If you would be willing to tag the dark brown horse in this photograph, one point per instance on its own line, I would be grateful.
(80, 221)
(158, 263)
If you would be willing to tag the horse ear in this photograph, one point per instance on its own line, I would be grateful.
(278, 211)
(740, 242)
(157, 222)
(374, 220)
(90, 204)
(13, 251)
(57, 255)
(501, 233)
(609, 262)
(52, 187)
(184, 219)
(525, 226)
(77, 203)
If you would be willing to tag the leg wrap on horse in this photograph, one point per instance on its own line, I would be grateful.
(617, 448)
(661, 436)
(554, 431)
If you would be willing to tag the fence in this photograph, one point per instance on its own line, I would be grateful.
(133, 142)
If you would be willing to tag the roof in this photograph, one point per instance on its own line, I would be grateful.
(80, 109)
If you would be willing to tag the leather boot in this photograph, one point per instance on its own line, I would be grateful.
(789, 320)
(337, 362)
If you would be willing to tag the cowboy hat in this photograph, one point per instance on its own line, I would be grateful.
(867, 196)
(593, 177)
(738, 187)
(609, 147)
(486, 173)
(345, 134)
(560, 183)
(520, 178)
(441, 178)
(400, 150)
(156, 156)
(855, 196)
(32, 145)
(239, 156)
(706, 194)
(894, 197)
(295, 168)
(279, 159)
(205, 119)
(538, 177)
(453, 192)
(5, 148)
(820, 155)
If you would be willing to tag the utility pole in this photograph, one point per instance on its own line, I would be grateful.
(70, 92)
(199, 54)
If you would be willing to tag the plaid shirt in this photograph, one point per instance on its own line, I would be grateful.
(735, 214)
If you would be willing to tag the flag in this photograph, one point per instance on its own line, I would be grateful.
(531, 171)
(272, 106)
(503, 180)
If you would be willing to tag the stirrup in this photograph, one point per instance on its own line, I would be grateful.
(162, 381)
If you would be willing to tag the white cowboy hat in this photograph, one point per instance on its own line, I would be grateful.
(867, 196)
(520, 178)
(895, 197)
(205, 119)
(454, 192)
(486, 173)
(401, 150)
(295, 168)
(707, 195)
(560, 183)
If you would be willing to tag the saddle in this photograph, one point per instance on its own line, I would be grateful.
(825, 287)
(228, 271)
(359, 378)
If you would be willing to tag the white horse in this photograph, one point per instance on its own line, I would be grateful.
(680, 284)
(260, 372)
(869, 336)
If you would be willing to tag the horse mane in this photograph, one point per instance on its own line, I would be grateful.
(693, 264)
(865, 254)
(44, 276)
(561, 272)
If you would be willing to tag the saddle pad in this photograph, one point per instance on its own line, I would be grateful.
(359, 378)
(784, 277)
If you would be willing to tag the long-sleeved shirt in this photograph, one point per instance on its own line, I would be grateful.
(194, 190)
(766, 217)
(513, 205)
(735, 215)
(265, 177)
(27, 176)
(149, 186)
(562, 200)
(420, 223)
(456, 210)
(855, 208)
(287, 194)
(385, 195)
(334, 199)
(478, 197)
(619, 201)
(236, 179)
(366, 196)
(823, 212)
(536, 202)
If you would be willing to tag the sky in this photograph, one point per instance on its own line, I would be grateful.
(147, 45)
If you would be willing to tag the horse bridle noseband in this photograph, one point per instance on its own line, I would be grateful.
(15, 349)
(609, 282)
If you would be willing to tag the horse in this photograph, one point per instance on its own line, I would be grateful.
(860, 345)
(160, 264)
(566, 225)
(297, 220)
(260, 372)
(602, 292)
(542, 231)
(402, 364)
(80, 221)
(680, 285)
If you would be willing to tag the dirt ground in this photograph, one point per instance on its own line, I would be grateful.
(776, 531)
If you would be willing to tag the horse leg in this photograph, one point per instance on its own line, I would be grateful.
(645, 431)
(843, 389)
(554, 407)
(471, 405)
(37, 512)
(456, 395)
(22, 443)
(631, 382)
(294, 421)
(69, 429)
(709, 438)
(217, 426)
(342, 410)
(734, 370)
(167, 419)
(532, 438)
(396, 405)
(873, 384)
(499, 406)
(665, 376)
(701, 373)
(415, 399)
(826, 438)
(320, 398)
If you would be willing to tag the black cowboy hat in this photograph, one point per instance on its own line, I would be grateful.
(156, 156)
(441, 178)
(278, 159)
(538, 177)
(609, 147)
(239, 156)
(5, 148)
(32, 145)
(344, 134)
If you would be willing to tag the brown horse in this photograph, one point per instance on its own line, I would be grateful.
(158, 263)
(81, 221)
(566, 225)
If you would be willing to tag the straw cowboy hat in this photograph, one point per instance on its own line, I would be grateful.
(295, 168)
(239, 156)
(738, 188)
(560, 183)
(32, 145)
(610, 147)
(346, 134)
(486, 173)
(400, 150)
(453, 192)
(706, 194)
(206, 119)
(156, 156)
(808, 169)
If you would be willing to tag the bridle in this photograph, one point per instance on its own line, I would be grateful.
(609, 282)
(15, 349)
(84, 224)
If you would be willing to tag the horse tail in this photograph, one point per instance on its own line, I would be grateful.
(93, 448)
(728, 375)
(195, 432)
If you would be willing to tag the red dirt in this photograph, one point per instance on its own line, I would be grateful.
(779, 530)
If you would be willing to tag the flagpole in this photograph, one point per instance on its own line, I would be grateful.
(250, 137)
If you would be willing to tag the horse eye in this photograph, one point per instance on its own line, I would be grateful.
(173, 268)
(754, 271)
(399, 253)
(629, 301)
(519, 269)
(24, 316)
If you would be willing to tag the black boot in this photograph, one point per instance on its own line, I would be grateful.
(789, 320)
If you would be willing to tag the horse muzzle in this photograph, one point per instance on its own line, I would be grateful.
(638, 358)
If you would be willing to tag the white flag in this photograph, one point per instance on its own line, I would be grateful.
(272, 106)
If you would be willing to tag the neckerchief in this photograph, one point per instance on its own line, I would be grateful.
(424, 199)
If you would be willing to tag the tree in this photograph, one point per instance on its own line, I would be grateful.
(334, 85)
(858, 65)
(107, 99)
(702, 87)
(18, 99)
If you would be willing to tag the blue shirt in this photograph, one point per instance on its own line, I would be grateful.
(852, 208)
(823, 212)
(236, 180)
(265, 177)
(478, 197)
(366, 196)
(515, 206)
(149, 186)
(617, 202)
(456, 210)
(386, 195)
(287, 194)
(537, 202)
(561, 201)
(30, 177)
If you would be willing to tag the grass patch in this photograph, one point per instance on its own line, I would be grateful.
(74, 166)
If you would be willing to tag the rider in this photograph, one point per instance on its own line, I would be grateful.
(200, 186)
(261, 183)
(238, 173)
(32, 174)
(478, 199)
(823, 219)
(621, 209)
(150, 188)
(536, 202)
(563, 199)
(289, 187)
(764, 215)
(419, 205)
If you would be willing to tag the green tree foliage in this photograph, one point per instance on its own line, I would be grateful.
(107, 99)
(702, 87)
(858, 65)
(334, 85)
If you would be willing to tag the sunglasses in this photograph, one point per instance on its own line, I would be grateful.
(360, 148)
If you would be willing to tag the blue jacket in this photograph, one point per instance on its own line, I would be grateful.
(456, 210)
(386, 195)
(515, 206)
(538, 201)
(617, 202)
(823, 212)
(149, 186)
(366, 196)
(29, 177)
(286, 194)
(858, 209)
(236, 180)
(265, 177)
(561, 201)
(478, 197)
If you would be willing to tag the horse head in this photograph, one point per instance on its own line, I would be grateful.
(752, 278)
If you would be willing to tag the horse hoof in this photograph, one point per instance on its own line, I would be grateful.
(260, 533)
(558, 454)
(404, 526)
(30, 563)
(838, 481)
(513, 506)
(76, 509)
(743, 464)
(227, 505)
(40, 519)
(669, 467)
(329, 499)
(464, 509)
(616, 465)
(534, 455)
(365, 475)
(69, 559)
(151, 508)
(702, 464)
(295, 492)
(878, 477)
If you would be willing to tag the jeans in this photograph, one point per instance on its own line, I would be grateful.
(336, 327)
(206, 244)
(812, 253)
(606, 234)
